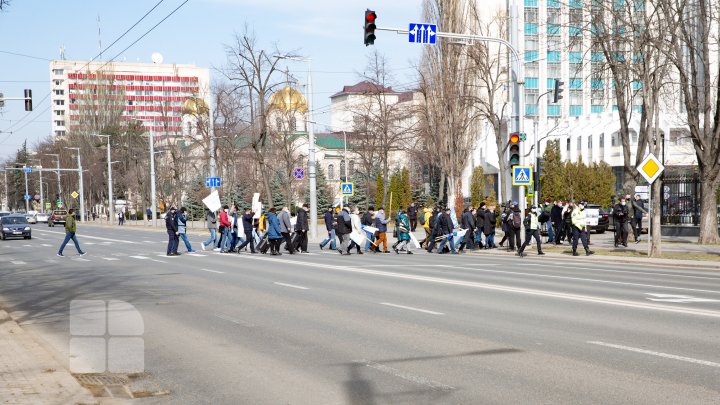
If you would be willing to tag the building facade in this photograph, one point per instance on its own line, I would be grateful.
(153, 93)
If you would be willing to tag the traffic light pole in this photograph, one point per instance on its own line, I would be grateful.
(27, 200)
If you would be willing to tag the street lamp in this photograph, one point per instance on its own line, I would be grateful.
(82, 190)
(109, 168)
(311, 144)
(42, 200)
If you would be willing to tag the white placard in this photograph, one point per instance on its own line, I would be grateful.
(256, 205)
(592, 216)
(414, 241)
(358, 238)
(212, 201)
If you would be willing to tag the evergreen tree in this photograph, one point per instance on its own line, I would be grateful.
(477, 187)
(553, 182)
(279, 187)
(360, 192)
(324, 198)
(193, 200)
(379, 189)
(405, 189)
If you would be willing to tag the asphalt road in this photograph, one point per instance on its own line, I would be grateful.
(383, 329)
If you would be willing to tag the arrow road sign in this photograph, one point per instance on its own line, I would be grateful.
(27, 196)
(212, 182)
(522, 175)
(422, 33)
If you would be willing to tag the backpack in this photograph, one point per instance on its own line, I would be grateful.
(543, 217)
(516, 220)
(422, 219)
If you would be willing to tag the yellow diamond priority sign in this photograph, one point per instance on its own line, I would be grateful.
(74, 194)
(650, 168)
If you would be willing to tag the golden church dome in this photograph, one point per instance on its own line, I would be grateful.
(195, 106)
(288, 99)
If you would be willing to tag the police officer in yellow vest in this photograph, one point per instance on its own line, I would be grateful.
(579, 228)
(532, 230)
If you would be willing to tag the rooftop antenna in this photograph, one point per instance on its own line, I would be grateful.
(62, 52)
(99, 38)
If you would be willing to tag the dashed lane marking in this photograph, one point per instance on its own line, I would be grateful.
(17, 262)
(299, 287)
(213, 271)
(110, 258)
(425, 311)
(658, 354)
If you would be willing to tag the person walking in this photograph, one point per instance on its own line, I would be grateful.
(273, 232)
(507, 210)
(638, 209)
(467, 222)
(620, 217)
(247, 223)
(236, 223)
(121, 218)
(403, 225)
(70, 230)
(567, 231)
(171, 226)
(330, 228)
(514, 221)
(480, 224)
(556, 221)
(367, 220)
(286, 229)
(546, 211)
(225, 230)
(427, 226)
(211, 221)
(344, 227)
(489, 227)
(579, 229)
(435, 230)
(412, 214)
(532, 230)
(357, 231)
(301, 229)
(446, 231)
(381, 224)
(182, 228)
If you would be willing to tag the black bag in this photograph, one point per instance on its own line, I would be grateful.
(543, 217)
(264, 245)
(295, 241)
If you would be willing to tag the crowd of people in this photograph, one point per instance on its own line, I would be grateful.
(349, 229)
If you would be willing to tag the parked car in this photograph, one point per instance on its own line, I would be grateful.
(42, 217)
(15, 226)
(30, 216)
(57, 217)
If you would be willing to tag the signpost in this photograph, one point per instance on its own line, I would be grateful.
(522, 176)
(299, 173)
(650, 168)
(422, 33)
(212, 182)
(347, 189)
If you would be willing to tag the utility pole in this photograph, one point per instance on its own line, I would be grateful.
(5, 200)
(153, 201)
(27, 200)
(82, 189)
(111, 211)
(57, 156)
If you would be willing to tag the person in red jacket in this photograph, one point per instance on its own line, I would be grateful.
(225, 229)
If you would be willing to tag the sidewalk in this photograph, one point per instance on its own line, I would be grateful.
(30, 375)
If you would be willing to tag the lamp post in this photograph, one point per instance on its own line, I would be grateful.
(153, 200)
(57, 156)
(311, 145)
(109, 168)
(42, 200)
(82, 190)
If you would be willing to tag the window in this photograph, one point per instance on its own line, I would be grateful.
(59, 112)
(57, 71)
(615, 139)
(531, 69)
(554, 43)
(553, 111)
(554, 70)
(567, 145)
(531, 82)
(679, 136)
(597, 109)
(293, 124)
(342, 170)
(602, 140)
(590, 145)
(633, 137)
(575, 110)
(579, 143)
(59, 133)
(278, 124)
(59, 92)
(58, 82)
(59, 102)
(531, 29)
(351, 168)
(531, 15)
(576, 83)
(60, 123)
(331, 171)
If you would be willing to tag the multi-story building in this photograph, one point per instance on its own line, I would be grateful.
(153, 93)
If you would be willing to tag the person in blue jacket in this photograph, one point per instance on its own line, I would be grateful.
(403, 232)
(273, 231)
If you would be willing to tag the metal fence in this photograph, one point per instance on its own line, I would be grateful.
(681, 199)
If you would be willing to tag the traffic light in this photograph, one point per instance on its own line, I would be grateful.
(514, 149)
(370, 17)
(28, 100)
(17, 168)
(557, 91)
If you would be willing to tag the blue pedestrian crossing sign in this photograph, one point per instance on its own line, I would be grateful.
(212, 182)
(522, 175)
(347, 189)
(422, 33)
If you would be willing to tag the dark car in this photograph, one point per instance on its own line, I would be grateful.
(57, 217)
(15, 226)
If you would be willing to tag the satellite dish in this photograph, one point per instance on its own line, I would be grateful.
(157, 57)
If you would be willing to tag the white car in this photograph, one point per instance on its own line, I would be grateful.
(31, 217)
(42, 217)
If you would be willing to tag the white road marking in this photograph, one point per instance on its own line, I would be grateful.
(110, 258)
(106, 243)
(213, 271)
(574, 278)
(405, 376)
(140, 257)
(80, 259)
(95, 237)
(412, 308)
(497, 287)
(18, 262)
(89, 243)
(659, 354)
(195, 255)
(27, 245)
(46, 245)
(299, 287)
(683, 299)
(643, 273)
(233, 320)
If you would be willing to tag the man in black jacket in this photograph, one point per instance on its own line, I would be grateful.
(367, 220)
(621, 217)
(248, 221)
(467, 222)
(412, 215)
(556, 221)
(446, 229)
(480, 224)
(301, 229)
(328, 218)
(172, 231)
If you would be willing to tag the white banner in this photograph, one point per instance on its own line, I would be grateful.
(256, 205)
(592, 216)
(213, 201)
(368, 228)
(358, 238)
(414, 241)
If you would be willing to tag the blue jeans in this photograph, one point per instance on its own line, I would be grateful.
(479, 235)
(331, 239)
(69, 236)
(444, 241)
(551, 234)
(187, 242)
(227, 240)
(490, 240)
(213, 238)
(370, 239)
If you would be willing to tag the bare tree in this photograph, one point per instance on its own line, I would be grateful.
(447, 84)
(254, 69)
(691, 47)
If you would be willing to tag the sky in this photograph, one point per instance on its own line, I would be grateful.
(328, 31)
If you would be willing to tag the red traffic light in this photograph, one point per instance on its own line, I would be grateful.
(370, 17)
(514, 138)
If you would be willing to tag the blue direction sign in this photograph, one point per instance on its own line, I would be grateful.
(522, 175)
(27, 169)
(422, 33)
(212, 182)
(299, 173)
(347, 189)
(27, 196)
